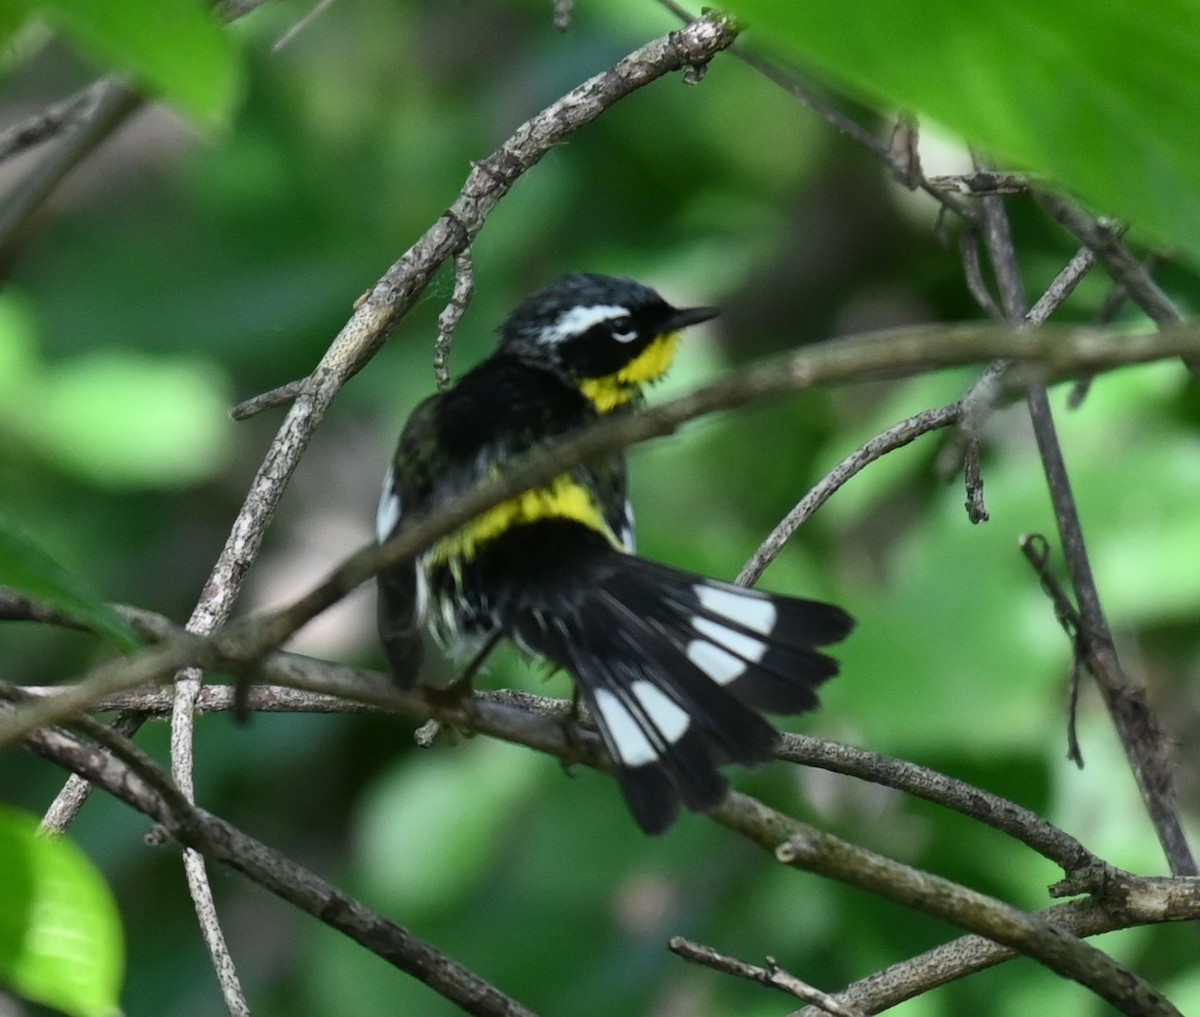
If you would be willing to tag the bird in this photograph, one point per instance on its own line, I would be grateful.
(676, 669)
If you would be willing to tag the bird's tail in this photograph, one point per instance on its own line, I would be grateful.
(675, 669)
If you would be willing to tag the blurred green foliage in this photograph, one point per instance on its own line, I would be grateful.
(174, 275)
(1096, 108)
(175, 49)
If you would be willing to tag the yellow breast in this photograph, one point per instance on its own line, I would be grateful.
(565, 498)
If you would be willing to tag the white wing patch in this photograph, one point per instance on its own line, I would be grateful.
(422, 593)
(754, 613)
(744, 646)
(629, 529)
(632, 746)
(578, 320)
(389, 509)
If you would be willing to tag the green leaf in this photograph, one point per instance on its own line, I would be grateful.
(122, 418)
(433, 817)
(25, 567)
(176, 47)
(11, 19)
(61, 942)
(1099, 96)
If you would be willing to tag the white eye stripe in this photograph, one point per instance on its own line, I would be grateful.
(755, 613)
(578, 320)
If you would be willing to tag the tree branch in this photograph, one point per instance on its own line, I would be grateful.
(536, 722)
(391, 297)
(109, 104)
(215, 838)
(1103, 240)
(804, 847)
(895, 437)
(998, 813)
(1052, 353)
(1135, 720)
(1172, 899)
(773, 977)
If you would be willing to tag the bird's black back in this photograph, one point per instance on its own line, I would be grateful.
(497, 411)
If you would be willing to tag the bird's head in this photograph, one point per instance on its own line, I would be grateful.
(607, 336)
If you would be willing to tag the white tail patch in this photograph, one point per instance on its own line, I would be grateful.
(665, 714)
(757, 614)
(744, 646)
(631, 745)
(388, 514)
(720, 665)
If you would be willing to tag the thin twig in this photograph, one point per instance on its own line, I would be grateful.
(155, 703)
(50, 122)
(280, 396)
(969, 955)
(841, 123)
(460, 300)
(1000, 814)
(1103, 238)
(1137, 725)
(369, 326)
(968, 248)
(1036, 549)
(1061, 287)
(1058, 352)
(895, 437)
(773, 977)
(111, 104)
(997, 237)
(1141, 735)
(973, 479)
(1113, 302)
(294, 30)
(1136, 900)
(804, 847)
(75, 791)
(202, 832)
(982, 398)
(981, 183)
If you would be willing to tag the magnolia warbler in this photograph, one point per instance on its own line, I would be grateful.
(675, 668)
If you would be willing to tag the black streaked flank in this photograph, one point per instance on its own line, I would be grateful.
(674, 667)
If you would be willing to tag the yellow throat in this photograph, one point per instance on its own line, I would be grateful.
(614, 390)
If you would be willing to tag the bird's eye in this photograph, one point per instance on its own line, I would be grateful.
(623, 330)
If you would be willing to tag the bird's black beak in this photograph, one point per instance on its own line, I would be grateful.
(683, 317)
